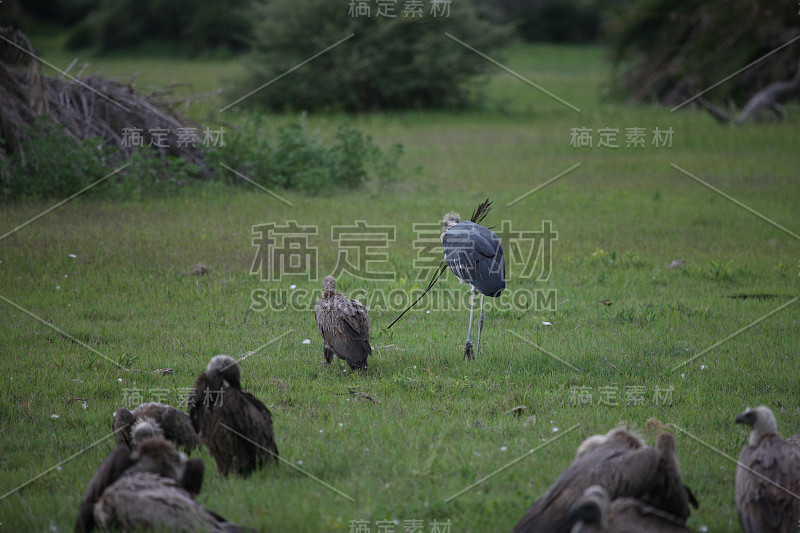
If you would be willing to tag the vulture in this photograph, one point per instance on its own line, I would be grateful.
(344, 326)
(764, 505)
(151, 488)
(624, 466)
(165, 420)
(596, 440)
(592, 513)
(248, 441)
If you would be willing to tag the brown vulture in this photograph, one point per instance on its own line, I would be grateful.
(344, 326)
(623, 465)
(233, 424)
(151, 488)
(592, 513)
(170, 422)
(767, 477)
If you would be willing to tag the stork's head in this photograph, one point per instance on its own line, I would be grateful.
(761, 420)
(450, 220)
(328, 286)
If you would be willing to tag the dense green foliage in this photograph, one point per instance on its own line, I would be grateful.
(54, 165)
(669, 50)
(389, 63)
(296, 158)
(192, 26)
(555, 21)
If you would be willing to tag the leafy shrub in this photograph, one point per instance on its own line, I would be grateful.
(54, 165)
(199, 26)
(296, 158)
(389, 63)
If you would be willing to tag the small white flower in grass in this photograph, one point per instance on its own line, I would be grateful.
(84, 404)
(306, 341)
(65, 275)
(341, 425)
(292, 286)
(54, 416)
(683, 375)
(546, 323)
(58, 469)
(58, 287)
(119, 380)
(703, 367)
(300, 462)
(703, 529)
(386, 485)
(320, 431)
(415, 367)
(555, 429)
(73, 256)
(503, 448)
(427, 312)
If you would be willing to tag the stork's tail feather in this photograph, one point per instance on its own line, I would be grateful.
(480, 213)
(434, 279)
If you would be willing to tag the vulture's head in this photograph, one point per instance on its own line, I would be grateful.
(761, 420)
(450, 220)
(591, 507)
(159, 456)
(224, 367)
(590, 444)
(665, 444)
(124, 417)
(328, 286)
(145, 428)
(625, 438)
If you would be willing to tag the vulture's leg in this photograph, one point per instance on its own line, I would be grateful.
(480, 330)
(468, 344)
(328, 353)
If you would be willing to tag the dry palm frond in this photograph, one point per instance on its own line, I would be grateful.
(90, 107)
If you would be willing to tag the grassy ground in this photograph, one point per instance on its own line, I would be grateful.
(421, 424)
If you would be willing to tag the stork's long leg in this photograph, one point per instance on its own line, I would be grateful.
(468, 344)
(480, 330)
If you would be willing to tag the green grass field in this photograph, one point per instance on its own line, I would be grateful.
(421, 424)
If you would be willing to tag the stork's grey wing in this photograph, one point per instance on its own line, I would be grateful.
(475, 255)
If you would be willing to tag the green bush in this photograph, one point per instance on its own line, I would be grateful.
(296, 158)
(54, 165)
(195, 26)
(389, 63)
